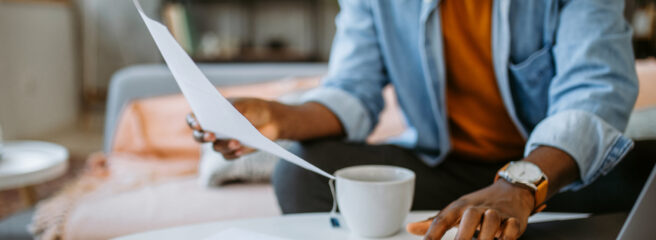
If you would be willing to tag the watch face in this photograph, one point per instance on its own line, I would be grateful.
(524, 171)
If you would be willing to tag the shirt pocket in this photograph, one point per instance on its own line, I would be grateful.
(529, 82)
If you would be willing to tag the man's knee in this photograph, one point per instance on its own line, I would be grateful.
(300, 190)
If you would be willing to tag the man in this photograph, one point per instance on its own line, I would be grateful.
(547, 84)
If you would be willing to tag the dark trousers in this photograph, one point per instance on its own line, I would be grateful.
(299, 190)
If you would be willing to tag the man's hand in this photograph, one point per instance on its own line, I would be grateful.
(275, 121)
(261, 113)
(500, 210)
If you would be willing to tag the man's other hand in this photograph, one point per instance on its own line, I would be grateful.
(500, 210)
(261, 113)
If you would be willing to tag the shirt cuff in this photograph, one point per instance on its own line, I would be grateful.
(349, 110)
(595, 145)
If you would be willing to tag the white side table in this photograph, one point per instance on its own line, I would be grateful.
(27, 163)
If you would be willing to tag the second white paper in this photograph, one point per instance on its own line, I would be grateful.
(213, 111)
(240, 234)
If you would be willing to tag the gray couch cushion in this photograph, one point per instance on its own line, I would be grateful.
(642, 124)
(143, 81)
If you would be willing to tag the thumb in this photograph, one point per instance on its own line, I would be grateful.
(256, 111)
(419, 228)
(270, 131)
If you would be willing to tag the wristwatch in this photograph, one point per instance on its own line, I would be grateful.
(529, 175)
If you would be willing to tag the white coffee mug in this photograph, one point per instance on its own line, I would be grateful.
(374, 200)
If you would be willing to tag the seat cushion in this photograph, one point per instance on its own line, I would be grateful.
(641, 125)
(156, 128)
(646, 69)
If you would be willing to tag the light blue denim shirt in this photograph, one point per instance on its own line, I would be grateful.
(565, 70)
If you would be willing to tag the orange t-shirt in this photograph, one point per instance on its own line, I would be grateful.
(480, 127)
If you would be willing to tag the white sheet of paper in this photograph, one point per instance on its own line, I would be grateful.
(240, 234)
(213, 111)
(555, 216)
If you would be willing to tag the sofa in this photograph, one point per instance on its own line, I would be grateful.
(147, 176)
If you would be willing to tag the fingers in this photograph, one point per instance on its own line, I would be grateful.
(419, 228)
(442, 223)
(226, 146)
(511, 229)
(488, 221)
(469, 222)
(203, 137)
(198, 134)
(192, 122)
(231, 149)
(490, 225)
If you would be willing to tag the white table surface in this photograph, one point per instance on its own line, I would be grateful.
(303, 226)
(26, 163)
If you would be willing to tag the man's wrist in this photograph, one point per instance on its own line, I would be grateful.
(306, 121)
(559, 167)
(281, 115)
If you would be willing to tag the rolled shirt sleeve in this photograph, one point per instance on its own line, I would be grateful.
(348, 109)
(593, 92)
(595, 145)
(352, 90)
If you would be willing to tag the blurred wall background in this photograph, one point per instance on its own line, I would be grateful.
(39, 68)
(113, 36)
(57, 56)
